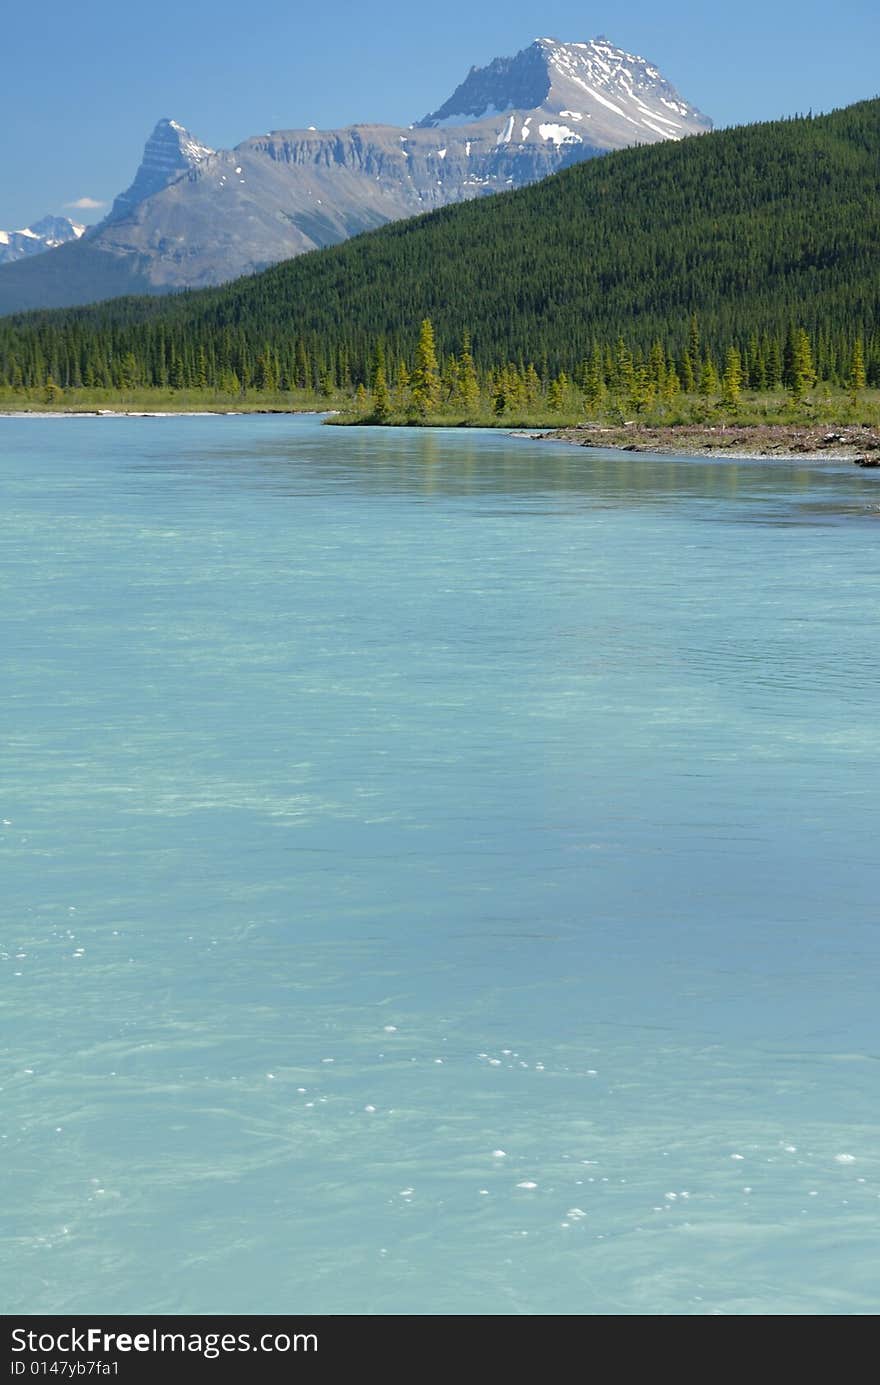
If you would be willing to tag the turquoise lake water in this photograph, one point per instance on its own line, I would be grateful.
(440, 875)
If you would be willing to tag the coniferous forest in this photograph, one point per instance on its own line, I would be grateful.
(744, 259)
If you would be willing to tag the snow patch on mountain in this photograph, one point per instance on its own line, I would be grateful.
(559, 134)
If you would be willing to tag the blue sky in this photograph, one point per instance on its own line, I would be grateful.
(83, 85)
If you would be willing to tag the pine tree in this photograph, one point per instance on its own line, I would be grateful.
(773, 359)
(128, 371)
(688, 378)
(657, 365)
(731, 382)
(694, 350)
(266, 378)
(302, 374)
(672, 387)
(755, 370)
(857, 374)
(381, 397)
(401, 393)
(449, 380)
(426, 375)
(594, 382)
(468, 384)
(624, 370)
(709, 382)
(557, 394)
(532, 386)
(644, 390)
(802, 370)
(499, 393)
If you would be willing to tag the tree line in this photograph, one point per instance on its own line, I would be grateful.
(762, 231)
(611, 374)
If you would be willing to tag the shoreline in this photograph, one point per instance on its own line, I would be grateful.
(859, 443)
(155, 413)
(764, 441)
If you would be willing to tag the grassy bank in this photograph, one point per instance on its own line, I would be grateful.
(91, 401)
(832, 406)
(776, 413)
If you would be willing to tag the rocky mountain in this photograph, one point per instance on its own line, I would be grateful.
(591, 95)
(169, 152)
(46, 234)
(194, 216)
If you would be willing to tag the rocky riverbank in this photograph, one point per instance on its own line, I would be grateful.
(820, 442)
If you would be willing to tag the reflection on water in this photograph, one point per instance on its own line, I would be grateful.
(440, 875)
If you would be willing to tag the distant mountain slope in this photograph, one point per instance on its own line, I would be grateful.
(755, 228)
(195, 216)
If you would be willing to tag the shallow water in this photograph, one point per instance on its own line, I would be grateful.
(440, 875)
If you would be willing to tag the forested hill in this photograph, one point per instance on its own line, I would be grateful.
(754, 228)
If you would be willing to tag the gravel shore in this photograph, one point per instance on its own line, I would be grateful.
(819, 442)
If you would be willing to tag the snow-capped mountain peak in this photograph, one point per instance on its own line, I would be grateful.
(191, 149)
(44, 234)
(170, 152)
(576, 93)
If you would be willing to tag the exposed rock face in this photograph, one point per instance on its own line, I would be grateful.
(589, 94)
(45, 234)
(278, 195)
(521, 82)
(195, 216)
(169, 152)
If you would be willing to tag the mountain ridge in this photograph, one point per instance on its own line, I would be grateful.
(759, 229)
(194, 216)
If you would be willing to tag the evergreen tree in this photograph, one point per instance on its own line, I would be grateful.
(532, 386)
(857, 376)
(402, 392)
(381, 397)
(688, 378)
(773, 360)
(802, 371)
(709, 382)
(694, 348)
(594, 381)
(731, 381)
(624, 370)
(657, 366)
(302, 375)
(426, 375)
(468, 384)
(557, 394)
(672, 386)
(449, 381)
